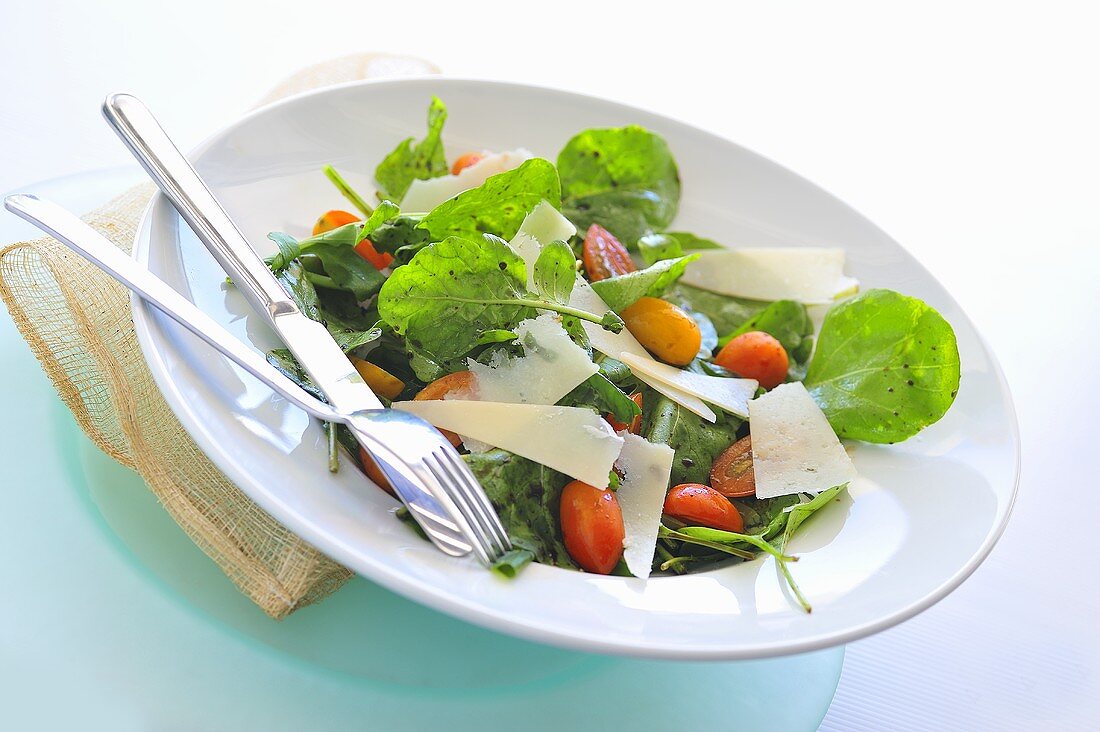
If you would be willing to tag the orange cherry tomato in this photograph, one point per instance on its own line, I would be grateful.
(635, 425)
(374, 472)
(604, 256)
(665, 330)
(592, 524)
(701, 505)
(333, 219)
(465, 161)
(456, 383)
(366, 250)
(756, 355)
(732, 474)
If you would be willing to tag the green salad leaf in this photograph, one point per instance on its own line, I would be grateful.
(343, 268)
(623, 178)
(623, 291)
(725, 312)
(789, 323)
(453, 291)
(696, 442)
(410, 162)
(555, 272)
(349, 330)
(526, 496)
(669, 245)
(498, 206)
(797, 515)
(599, 393)
(886, 366)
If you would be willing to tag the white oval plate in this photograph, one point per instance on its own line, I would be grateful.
(921, 517)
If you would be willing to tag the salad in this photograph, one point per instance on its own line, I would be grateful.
(633, 399)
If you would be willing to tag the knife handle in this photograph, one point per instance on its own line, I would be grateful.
(175, 177)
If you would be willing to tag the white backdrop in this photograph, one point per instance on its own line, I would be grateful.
(970, 132)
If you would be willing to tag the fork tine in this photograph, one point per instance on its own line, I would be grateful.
(480, 500)
(475, 498)
(485, 549)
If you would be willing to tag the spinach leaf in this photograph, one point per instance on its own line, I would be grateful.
(623, 178)
(407, 162)
(284, 361)
(555, 272)
(623, 291)
(766, 517)
(886, 366)
(790, 324)
(452, 291)
(727, 313)
(498, 206)
(696, 442)
(668, 245)
(400, 238)
(526, 496)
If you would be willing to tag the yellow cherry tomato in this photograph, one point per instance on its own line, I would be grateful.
(665, 330)
(380, 381)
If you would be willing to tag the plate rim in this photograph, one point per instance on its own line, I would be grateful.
(144, 326)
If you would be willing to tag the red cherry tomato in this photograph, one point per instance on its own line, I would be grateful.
(701, 505)
(592, 524)
(374, 472)
(604, 256)
(755, 355)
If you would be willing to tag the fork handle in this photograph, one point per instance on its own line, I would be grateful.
(173, 174)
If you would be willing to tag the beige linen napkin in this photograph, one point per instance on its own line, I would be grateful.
(77, 322)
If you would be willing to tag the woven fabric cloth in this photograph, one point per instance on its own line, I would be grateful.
(77, 322)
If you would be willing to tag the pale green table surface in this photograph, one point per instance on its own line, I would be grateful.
(112, 619)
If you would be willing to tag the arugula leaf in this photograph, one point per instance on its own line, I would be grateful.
(727, 313)
(498, 335)
(599, 393)
(452, 291)
(344, 269)
(348, 333)
(423, 161)
(696, 442)
(668, 245)
(803, 511)
(886, 366)
(555, 272)
(623, 291)
(623, 178)
(401, 238)
(790, 324)
(526, 496)
(498, 206)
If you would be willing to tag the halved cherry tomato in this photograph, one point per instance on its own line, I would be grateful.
(374, 472)
(604, 256)
(701, 505)
(635, 425)
(732, 474)
(465, 161)
(333, 219)
(366, 250)
(456, 383)
(665, 330)
(756, 355)
(592, 525)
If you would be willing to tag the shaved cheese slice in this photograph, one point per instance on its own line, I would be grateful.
(570, 440)
(646, 467)
(424, 195)
(617, 344)
(805, 274)
(794, 450)
(552, 365)
(546, 224)
(732, 395)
